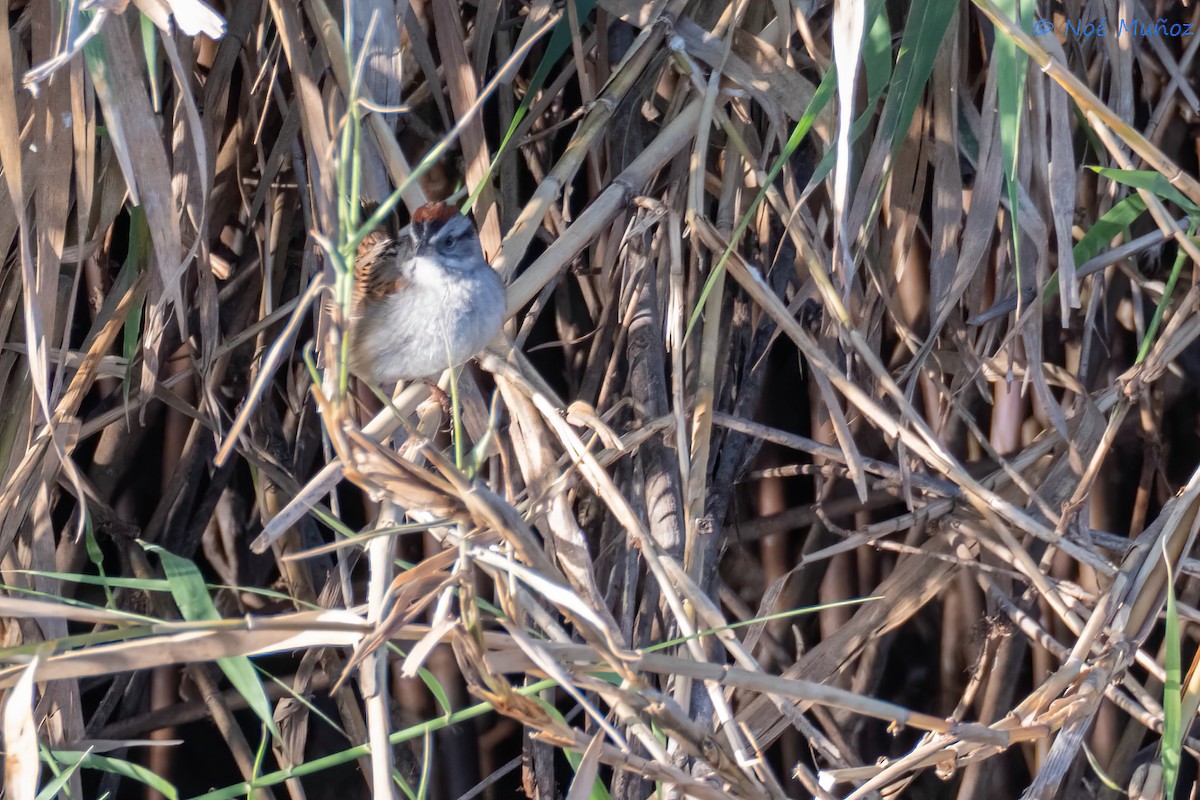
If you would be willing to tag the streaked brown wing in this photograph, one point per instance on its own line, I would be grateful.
(376, 267)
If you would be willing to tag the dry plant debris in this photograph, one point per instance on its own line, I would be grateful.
(841, 440)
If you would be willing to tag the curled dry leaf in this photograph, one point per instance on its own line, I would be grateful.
(21, 763)
(191, 16)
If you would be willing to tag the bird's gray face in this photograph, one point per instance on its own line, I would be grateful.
(454, 244)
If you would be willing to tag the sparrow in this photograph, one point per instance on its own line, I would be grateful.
(424, 301)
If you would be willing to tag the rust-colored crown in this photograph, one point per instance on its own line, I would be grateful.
(434, 212)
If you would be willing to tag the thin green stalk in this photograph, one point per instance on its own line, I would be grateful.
(1172, 736)
(353, 753)
(822, 96)
(1156, 320)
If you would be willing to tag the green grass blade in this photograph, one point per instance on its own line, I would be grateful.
(437, 690)
(1172, 738)
(824, 93)
(1114, 222)
(96, 555)
(556, 47)
(117, 766)
(877, 51)
(599, 792)
(1104, 777)
(195, 604)
(1156, 320)
(919, 44)
(150, 51)
(1151, 181)
(52, 787)
(316, 765)
(1011, 65)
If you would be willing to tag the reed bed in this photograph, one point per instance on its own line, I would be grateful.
(841, 440)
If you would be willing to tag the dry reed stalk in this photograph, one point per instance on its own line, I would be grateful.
(875, 334)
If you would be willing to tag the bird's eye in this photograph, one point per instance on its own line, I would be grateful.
(449, 240)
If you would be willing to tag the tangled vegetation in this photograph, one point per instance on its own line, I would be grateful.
(841, 440)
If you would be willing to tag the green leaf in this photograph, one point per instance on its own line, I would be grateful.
(923, 34)
(877, 61)
(599, 792)
(877, 51)
(1151, 181)
(52, 787)
(191, 595)
(1165, 300)
(919, 44)
(556, 46)
(1172, 738)
(117, 767)
(437, 690)
(1011, 66)
(150, 51)
(96, 555)
(794, 612)
(1104, 777)
(824, 92)
(1114, 222)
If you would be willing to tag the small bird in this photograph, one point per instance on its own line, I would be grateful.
(424, 301)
